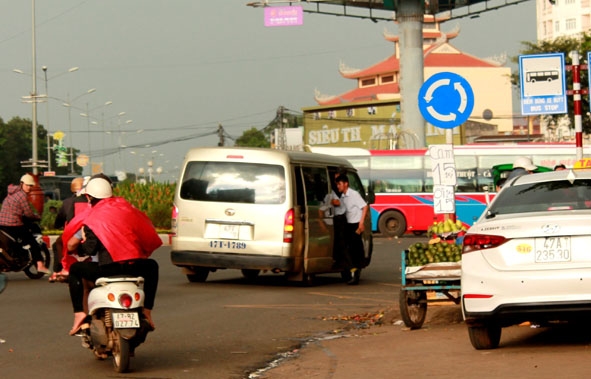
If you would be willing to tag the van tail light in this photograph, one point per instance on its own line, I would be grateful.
(173, 219)
(475, 242)
(288, 226)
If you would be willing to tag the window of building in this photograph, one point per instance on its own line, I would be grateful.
(387, 79)
(332, 114)
(556, 26)
(350, 112)
(368, 82)
(571, 24)
(569, 2)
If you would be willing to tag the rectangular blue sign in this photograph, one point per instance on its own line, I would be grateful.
(542, 80)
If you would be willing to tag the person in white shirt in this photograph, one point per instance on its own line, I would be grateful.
(356, 211)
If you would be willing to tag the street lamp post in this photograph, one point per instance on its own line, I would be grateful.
(34, 156)
(44, 68)
(87, 115)
(69, 105)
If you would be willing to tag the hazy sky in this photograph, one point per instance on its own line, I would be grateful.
(177, 68)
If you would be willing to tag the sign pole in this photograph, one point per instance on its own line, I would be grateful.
(577, 103)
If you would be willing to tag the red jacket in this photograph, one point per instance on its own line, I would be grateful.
(81, 210)
(126, 232)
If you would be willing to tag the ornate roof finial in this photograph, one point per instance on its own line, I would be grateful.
(320, 98)
(346, 70)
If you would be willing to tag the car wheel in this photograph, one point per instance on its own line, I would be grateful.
(392, 224)
(485, 337)
(199, 275)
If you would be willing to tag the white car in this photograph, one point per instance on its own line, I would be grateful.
(528, 257)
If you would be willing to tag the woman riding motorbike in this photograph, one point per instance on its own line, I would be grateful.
(16, 209)
(123, 238)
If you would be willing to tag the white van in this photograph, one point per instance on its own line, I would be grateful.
(258, 210)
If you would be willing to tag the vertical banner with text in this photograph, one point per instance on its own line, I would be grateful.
(444, 178)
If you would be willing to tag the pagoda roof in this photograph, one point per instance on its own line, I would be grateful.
(437, 55)
(388, 65)
(442, 55)
(359, 94)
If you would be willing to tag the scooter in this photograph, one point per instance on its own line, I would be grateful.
(16, 257)
(116, 324)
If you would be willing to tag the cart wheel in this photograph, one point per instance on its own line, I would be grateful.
(413, 308)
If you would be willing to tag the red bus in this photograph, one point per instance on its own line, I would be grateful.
(403, 184)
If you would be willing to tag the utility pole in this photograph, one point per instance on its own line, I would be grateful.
(281, 137)
(221, 135)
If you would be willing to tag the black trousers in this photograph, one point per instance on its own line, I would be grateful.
(91, 271)
(57, 249)
(339, 224)
(354, 254)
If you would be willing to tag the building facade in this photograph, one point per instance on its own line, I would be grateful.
(562, 18)
(368, 116)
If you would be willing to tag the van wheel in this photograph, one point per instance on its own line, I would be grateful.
(199, 275)
(392, 224)
(250, 274)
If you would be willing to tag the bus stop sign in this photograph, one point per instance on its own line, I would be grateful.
(446, 100)
(543, 88)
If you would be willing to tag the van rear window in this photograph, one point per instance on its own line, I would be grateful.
(234, 182)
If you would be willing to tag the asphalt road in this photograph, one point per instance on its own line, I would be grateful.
(224, 328)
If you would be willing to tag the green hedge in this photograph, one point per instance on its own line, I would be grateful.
(154, 199)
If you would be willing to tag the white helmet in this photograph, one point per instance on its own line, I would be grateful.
(28, 179)
(525, 163)
(99, 188)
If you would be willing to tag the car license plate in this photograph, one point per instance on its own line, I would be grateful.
(126, 320)
(552, 249)
(229, 231)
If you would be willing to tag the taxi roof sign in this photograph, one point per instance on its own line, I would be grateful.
(584, 163)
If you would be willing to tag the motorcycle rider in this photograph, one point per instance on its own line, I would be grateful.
(64, 215)
(15, 208)
(123, 238)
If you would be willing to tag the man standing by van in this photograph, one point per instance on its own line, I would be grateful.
(356, 211)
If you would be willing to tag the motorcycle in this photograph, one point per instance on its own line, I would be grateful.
(14, 256)
(115, 325)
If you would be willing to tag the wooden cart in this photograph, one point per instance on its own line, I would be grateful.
(432, 283)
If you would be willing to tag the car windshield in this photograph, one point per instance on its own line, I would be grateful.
(542, 197)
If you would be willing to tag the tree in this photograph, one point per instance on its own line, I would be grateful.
(252, 138)
(582, 44)
(16, 146)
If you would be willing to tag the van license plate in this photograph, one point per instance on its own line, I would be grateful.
(229, 232)
(126, 320)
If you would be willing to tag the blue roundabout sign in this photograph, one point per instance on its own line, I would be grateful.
(446, 100)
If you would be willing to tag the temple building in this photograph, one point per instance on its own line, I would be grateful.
(368, 116)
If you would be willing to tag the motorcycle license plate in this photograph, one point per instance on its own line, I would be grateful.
(126, 320)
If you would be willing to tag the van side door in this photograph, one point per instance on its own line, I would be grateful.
(319, 255)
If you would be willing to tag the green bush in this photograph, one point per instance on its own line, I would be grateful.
(50, 209)
(154, 199)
